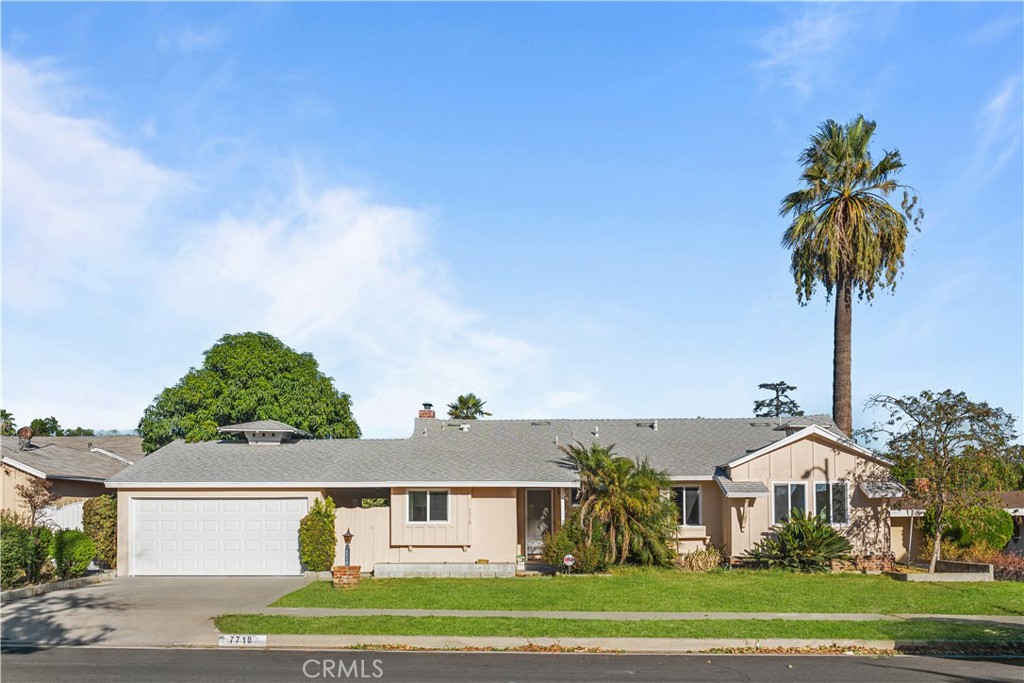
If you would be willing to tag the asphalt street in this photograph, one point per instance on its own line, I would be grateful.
(96, 665)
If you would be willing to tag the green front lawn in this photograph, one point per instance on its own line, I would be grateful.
(673, 591)
(918, 629)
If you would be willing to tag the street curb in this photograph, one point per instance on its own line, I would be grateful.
(42, 589)
(646, 645)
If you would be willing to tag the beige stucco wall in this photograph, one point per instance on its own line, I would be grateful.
(9, 498)
(811, 460)
(124, 497)
(712, 529)
(484, 528)
(66, 491)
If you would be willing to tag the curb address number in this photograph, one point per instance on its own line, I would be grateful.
(241, 640)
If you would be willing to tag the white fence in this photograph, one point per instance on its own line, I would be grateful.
(65, 517)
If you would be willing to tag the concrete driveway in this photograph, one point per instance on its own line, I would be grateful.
(139, 611)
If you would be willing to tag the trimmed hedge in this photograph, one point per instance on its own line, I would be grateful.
(72, 552)
(976, 526)
(317, 536)
(99, 520)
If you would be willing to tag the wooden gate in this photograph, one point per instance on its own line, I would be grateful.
(371, 536)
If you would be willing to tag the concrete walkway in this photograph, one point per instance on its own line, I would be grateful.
(1017, 621)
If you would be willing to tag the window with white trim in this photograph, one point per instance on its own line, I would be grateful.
(688, 505)
(428, 506)
(788, 497)
(832, 501)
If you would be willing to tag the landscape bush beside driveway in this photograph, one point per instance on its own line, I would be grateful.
(674, 591)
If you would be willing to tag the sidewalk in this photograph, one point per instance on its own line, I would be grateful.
(1017, 621)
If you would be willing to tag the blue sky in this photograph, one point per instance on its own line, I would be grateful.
(571, 209)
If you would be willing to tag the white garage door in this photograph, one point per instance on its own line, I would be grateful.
(214, 536)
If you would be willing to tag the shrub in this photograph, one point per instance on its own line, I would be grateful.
(99, 520)
(317, 537)
(13, 550)
(72, 552)
(803, 543)
(700, 560)
(37, 552)
(1005, 566)
(368, 503)
(571, 540)
(981, 525)
(26, 551)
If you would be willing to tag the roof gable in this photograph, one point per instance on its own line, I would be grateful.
(806, 432)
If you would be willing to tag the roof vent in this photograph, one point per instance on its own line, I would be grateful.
(546, 423)
(597, 428)
(463, 428)
(24, 438)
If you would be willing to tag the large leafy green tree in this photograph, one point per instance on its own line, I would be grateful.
(246, 377)
(845, 235)
(954, 452)
(46, 426)
(467, 407)
(778, 405)
(623, 499)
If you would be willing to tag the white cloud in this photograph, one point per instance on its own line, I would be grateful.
(328, 270)
(71, 192)
(996, 30)
(999, 128)
(188, 39)
(802, 53)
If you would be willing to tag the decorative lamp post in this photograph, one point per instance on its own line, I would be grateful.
(348, 539)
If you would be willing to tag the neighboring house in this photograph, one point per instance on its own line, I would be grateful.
(464, 493)
(76, 466)
(907, 537)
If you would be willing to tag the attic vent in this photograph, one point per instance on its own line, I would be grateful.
(752, 450)
(760, 424)
(541, 424)
(648, 425)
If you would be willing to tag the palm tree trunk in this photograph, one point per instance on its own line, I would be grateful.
(842, 392)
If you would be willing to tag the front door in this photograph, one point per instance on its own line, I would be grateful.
(538, 520)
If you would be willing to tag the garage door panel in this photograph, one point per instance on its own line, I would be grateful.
(216, 536)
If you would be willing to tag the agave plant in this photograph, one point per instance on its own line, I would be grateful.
(803, 543)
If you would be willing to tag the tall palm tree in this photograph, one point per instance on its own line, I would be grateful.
(467, 407)
(845, 234)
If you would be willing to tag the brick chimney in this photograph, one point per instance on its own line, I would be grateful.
(428, 411)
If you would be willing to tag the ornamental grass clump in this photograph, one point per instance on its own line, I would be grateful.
(700, 560)
(804, 543)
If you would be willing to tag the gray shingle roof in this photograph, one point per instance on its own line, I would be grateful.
(462, 451)
(741, 489)
(69, 457)
(882, 489)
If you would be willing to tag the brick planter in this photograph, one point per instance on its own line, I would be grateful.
(346, 577)
(882, 562)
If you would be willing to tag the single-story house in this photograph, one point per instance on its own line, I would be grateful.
(76, 466)
(476, 497)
